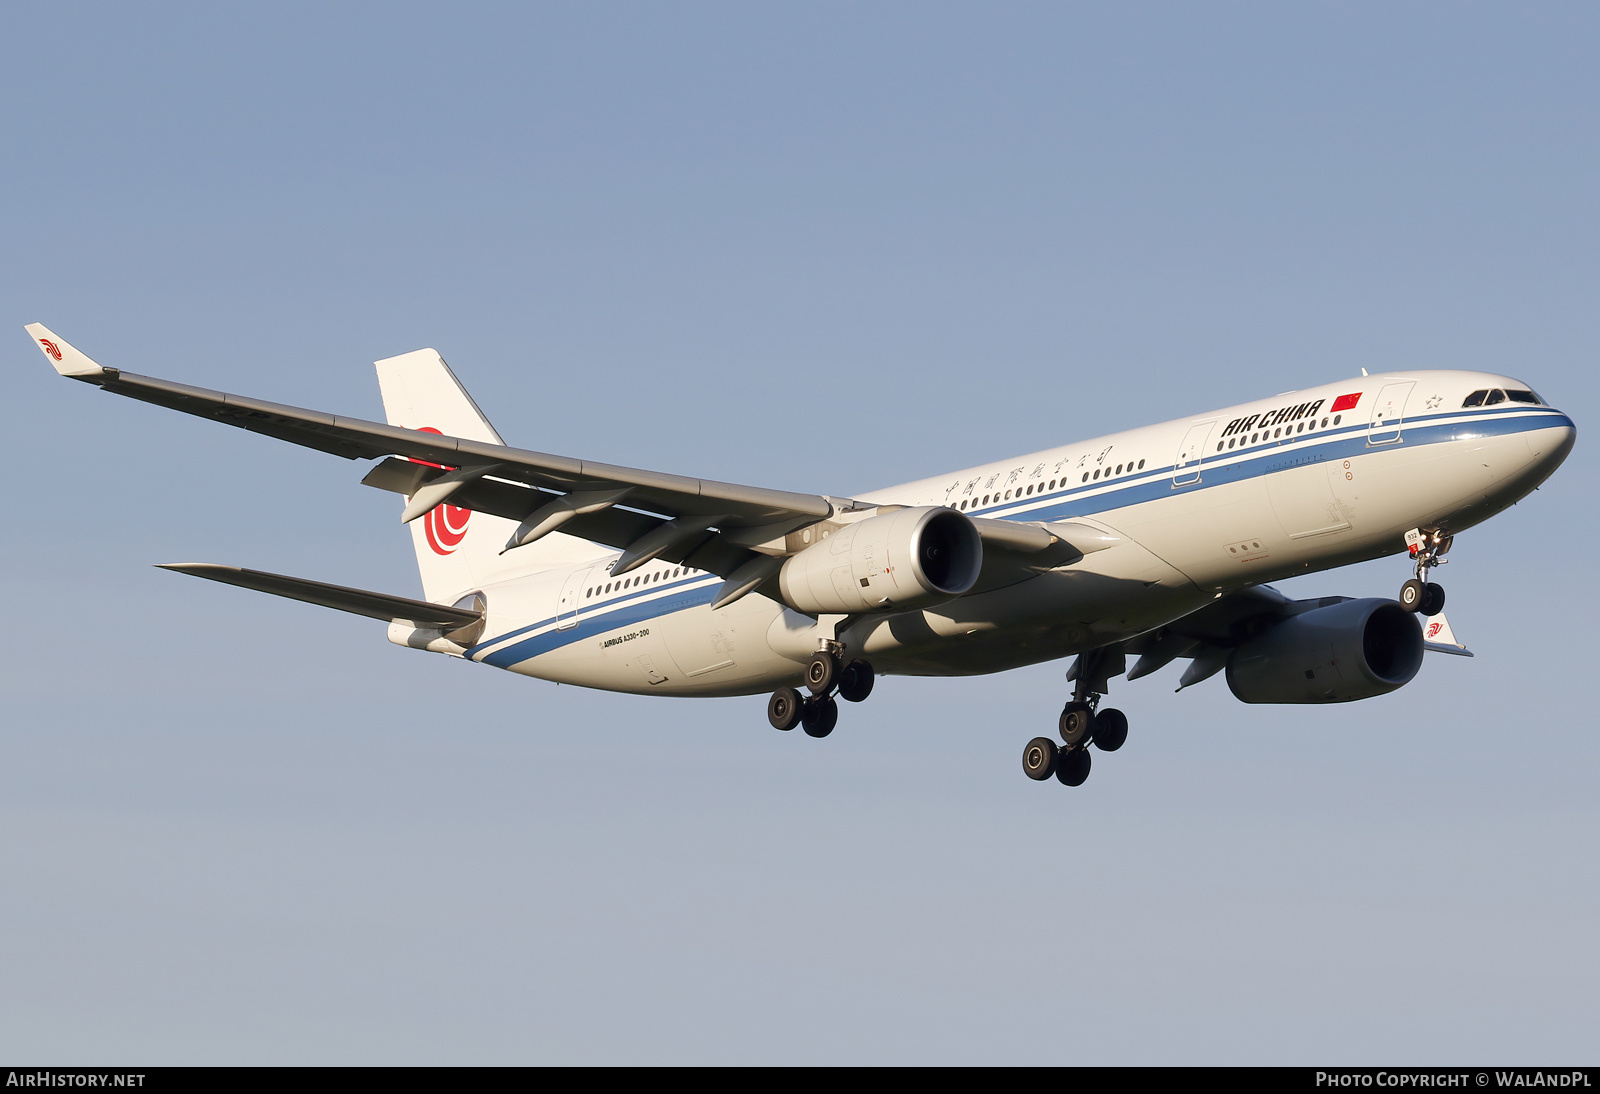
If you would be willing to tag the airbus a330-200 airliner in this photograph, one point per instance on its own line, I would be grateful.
(1156, 543)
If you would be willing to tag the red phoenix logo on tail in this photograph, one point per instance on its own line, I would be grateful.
(51, 348)
(445, 525)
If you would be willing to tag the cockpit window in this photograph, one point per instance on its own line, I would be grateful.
(1475, 399)
(1522, 395)
(1495, 396)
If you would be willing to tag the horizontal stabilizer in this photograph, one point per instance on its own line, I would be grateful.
(358, 601)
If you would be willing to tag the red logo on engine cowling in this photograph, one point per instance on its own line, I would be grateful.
(444, 525)
(51, 348)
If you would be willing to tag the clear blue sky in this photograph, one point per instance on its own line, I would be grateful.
(818, 247)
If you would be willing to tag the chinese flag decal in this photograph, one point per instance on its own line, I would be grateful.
(1345, 402)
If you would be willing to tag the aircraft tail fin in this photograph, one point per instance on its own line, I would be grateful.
(457, 549)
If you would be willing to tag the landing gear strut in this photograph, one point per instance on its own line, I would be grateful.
(1081, 724)
(1428, 546)
(817, 713)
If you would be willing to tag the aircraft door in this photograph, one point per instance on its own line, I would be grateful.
(1389, 412)
(571, 599)
(1186, 467)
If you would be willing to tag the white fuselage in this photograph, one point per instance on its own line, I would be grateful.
(1199, 506)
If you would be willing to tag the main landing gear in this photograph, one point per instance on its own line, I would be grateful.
(1428, 547)
(826, 678)
(1081, 724)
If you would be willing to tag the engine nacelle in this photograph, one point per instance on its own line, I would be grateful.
(909, 558)
(1347, 651)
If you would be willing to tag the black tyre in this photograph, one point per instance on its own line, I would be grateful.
(1039, 759)
(821, 672)
(1077, 719)
(819, 716)
(855, 682)
(1432, 599)
(1110, 729)
(1073, 767)
(783, 709)
(1411, 595)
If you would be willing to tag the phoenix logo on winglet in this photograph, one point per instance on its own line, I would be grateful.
(51, 348)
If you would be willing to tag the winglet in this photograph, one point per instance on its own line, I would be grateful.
(66, 360)
(1437, 637)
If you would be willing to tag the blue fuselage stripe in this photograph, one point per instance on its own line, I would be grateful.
(633, 608)
(1213, 469)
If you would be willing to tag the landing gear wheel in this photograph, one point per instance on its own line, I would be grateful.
(1077, 719)
(855, 682)
(783, 709)
(819, 716)
(1432, 599)
(1110, 729)
(1073, 767)
(1411, 594)
(821, 672)
(1039, 759)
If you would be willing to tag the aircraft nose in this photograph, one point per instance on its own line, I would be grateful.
(1549, 447)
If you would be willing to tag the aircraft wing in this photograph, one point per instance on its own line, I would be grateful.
(578, 495)
(738, 532)
(1209, 635)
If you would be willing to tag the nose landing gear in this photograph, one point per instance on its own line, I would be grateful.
(1081, 724)
(1428, 546)
(817, 713)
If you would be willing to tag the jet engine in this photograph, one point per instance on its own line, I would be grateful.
(1352, 650)
(907, 558)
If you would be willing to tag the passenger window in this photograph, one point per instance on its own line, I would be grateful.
(1495, 396)
(1086, 476)
(1475, 399)
(1141, 464)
